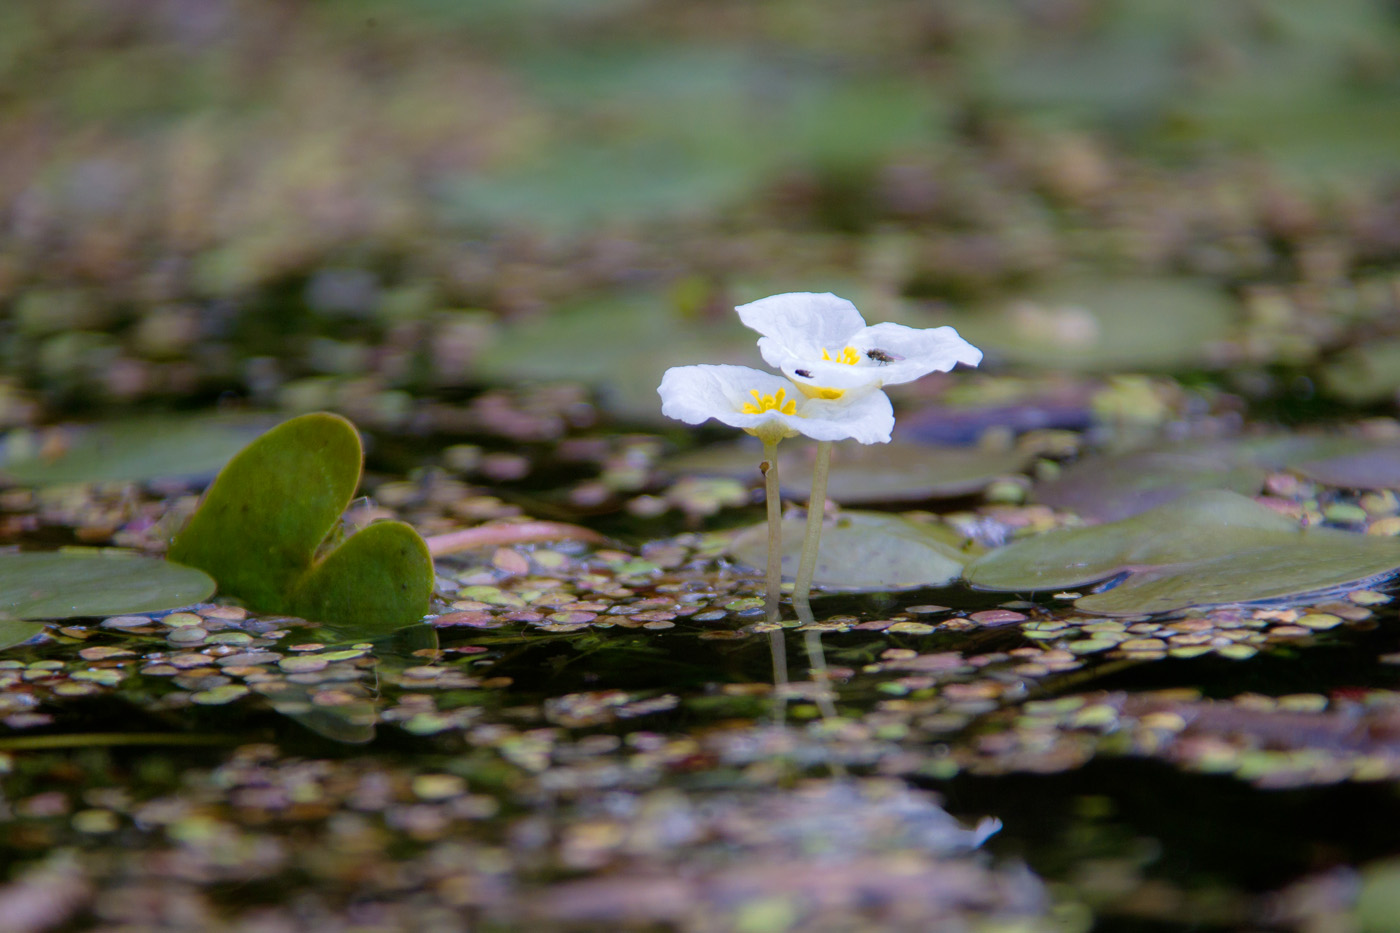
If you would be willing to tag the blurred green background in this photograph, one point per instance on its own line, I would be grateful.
(354, 204)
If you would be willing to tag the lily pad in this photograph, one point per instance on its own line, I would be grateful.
(265, 521)
(17, 632)
(69, 584)
(1208, 548)
(860, 474)
(866, 551)
(1365, 374)
(620, 346)
(125, 451)
(1112, 487)
(1374, 465)
(1104, 324)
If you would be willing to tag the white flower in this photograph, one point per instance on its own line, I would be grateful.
(770, 406)
(823, 345)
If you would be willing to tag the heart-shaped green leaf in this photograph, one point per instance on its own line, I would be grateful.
(383, 572)
(262, 524)
(1206, 548)
(866, 551)
(68, 584)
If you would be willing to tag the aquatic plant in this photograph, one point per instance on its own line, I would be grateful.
(835, 366)
(822, 343)
(771, 408)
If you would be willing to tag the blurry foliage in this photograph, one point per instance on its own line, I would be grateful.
(208, 196)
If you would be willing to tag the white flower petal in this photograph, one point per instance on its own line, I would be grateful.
(695, 394)
(820, 341)
(868, 419)
(802, 323)
(903, 354)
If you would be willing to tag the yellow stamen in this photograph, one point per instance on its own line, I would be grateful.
(850, 356)
(774, 402)
(826, 392)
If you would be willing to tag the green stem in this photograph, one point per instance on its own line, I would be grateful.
(772, 591)
(816, 507)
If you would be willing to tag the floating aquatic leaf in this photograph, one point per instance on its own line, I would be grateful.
(894, 472)
(1207, 548)
(261, 523)
(73, 583)
(17, 632)
(380, 576)
(867, 550)
(1104, 324)
(1111, 487)
(1375, 465)
(620, 346)
(125, 451)
(1365, 374)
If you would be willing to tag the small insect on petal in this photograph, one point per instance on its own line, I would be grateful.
(882, 356)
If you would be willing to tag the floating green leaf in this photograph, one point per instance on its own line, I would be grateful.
(1105, 324)
(125, 451)
(621, 346)
(1371, 465)
(867, 551)
(17, 632)
(1107, 488)
(268, 514)
(895, 472)
(68, 584)
(377, 573)
(1365, 374)
(1207, 548)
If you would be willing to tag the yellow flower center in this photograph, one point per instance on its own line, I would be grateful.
(826, 392)
(775, 402)
(850, 356)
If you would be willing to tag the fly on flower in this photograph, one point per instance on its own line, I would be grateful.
(822, 343)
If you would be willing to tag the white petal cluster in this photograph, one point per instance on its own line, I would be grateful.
(770, 406)
(835, 367)
(822, 343)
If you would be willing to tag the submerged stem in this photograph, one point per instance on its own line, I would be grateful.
(777, 646)
(816, 661)
(816, 508)
(772, 591)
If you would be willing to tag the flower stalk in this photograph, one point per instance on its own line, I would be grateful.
(772, 591)
(816, 512)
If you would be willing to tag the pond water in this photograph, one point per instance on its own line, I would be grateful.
(609, 735)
